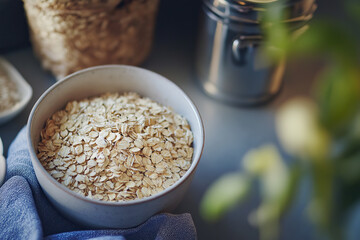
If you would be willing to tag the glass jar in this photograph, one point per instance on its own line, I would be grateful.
(69, 35)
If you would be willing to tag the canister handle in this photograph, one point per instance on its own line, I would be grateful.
(241, 45)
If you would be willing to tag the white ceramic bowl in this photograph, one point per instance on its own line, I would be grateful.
(2, 164)
(25, 91)
(91, 82)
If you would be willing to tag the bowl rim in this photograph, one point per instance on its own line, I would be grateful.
(18, 80)
(1, 147)
(36, 161)
(2, 164)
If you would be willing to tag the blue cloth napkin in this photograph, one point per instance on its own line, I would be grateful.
(25, 212)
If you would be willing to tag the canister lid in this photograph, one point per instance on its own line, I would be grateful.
(250, 11)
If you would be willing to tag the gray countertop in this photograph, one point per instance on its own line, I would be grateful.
(230, 130)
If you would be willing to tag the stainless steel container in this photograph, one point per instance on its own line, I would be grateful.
(230, 65)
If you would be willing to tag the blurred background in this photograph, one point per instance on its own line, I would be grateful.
(231, 131)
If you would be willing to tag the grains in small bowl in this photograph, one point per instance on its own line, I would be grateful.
(114, 165)
(15, 92)
(116, 147)
(9, 94)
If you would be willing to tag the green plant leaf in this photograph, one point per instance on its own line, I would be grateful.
(338, 96)
(278, 37)
(349, 168)
(258, 161)
(224, 194)
(347, 185)
(322, 203)
(326, 39)
(353, 8)
(273, 207)
(287, 196)
(348, 145)
(298, 129)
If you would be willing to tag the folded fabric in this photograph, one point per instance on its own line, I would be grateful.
(17, 216)
(25, 212)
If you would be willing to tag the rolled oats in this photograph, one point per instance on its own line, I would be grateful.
(69, 35)
(9, 95)
(116, 147)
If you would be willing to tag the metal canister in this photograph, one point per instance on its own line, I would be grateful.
(230, 65)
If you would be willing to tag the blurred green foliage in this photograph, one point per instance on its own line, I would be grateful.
(331, 125)
(353, 8)
(225, 193)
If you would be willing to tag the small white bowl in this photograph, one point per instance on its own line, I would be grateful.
(2, 164)
(92, 82)
(24, 90)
